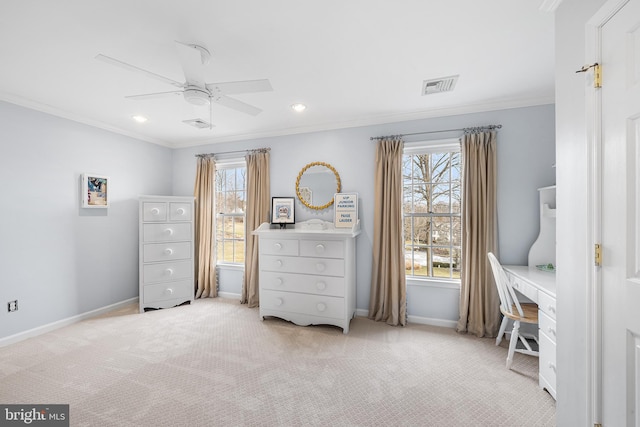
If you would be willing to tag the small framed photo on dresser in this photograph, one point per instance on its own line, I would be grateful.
(95, 191)
(283, 210)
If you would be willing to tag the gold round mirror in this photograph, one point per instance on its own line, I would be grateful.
(316, 184)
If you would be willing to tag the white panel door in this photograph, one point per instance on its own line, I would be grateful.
(620, 272)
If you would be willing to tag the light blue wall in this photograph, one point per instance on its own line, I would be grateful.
(526, 147)
(60, 261)
(57, 259)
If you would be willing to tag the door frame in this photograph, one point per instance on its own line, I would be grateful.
(594, 320)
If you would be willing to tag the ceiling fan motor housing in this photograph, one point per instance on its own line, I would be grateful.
(196, 96)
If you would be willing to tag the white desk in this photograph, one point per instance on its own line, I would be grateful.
(540, 287)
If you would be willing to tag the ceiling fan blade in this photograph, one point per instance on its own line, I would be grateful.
(191, 60)
(245, 86)
(236, 105)
(155, 95)
(130, 67)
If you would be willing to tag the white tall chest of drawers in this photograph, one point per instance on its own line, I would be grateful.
(166, 251)
(307, 275)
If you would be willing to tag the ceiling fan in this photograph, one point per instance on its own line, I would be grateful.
(194, 89)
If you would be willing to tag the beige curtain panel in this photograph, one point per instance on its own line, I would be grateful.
(479, 302)
(258, 206)
(388, 300)
(205, 256)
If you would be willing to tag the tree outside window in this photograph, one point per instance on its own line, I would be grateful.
(431, 208)
(230, 214)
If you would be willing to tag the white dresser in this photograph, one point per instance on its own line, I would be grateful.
(308, 274)
(166, 251)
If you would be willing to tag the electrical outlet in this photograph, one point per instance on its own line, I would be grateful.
(12, 306)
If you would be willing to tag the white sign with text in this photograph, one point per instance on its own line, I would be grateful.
(346, 209)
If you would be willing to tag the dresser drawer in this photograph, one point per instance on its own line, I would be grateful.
(180, 211)
(313, 305)
(166, 232)
(167, 271)
(152, 211)
(525, 288)
(167, 291)
(279, 247)
(304, 265)
(547, 326)
(547, 364)
(303, 283)
(547, 304)
(322, 248)
(153, 252)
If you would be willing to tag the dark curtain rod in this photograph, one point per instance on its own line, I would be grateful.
(466, 130)
(256, 150)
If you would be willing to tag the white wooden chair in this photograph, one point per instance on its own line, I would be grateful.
(512, 309)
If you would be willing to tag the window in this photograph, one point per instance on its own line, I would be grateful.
(431, 209)
(230, 211)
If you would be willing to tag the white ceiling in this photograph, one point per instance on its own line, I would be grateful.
(352, 62)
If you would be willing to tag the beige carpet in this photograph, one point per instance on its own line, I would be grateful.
(214, 363)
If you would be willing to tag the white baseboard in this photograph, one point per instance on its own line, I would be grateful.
(362, 313)
(433, 322)
(417, 319)
(229, 295)
(11, 339)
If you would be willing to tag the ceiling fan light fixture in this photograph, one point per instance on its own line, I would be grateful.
(298, 107)
(139, 118)
(196, 96)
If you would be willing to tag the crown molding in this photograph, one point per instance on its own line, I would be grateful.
(550, 5)
(54, 111)
(503, 104)
(380, 120)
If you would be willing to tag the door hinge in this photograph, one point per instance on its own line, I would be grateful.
(597, 73)
(598, 255)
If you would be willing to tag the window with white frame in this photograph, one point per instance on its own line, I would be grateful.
(431, 209)
(230, 199)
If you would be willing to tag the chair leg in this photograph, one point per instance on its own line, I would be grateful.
(503, 327)
(512, 342)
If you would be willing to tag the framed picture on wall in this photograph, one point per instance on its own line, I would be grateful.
(283, 210)
(95, 191)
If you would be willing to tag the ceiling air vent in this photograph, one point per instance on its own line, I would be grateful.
(443, 84)
(197, 123)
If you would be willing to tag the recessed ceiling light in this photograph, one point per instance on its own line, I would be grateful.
(139, 119)
(299, 108)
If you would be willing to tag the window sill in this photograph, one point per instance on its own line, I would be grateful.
(434, 283)
(230, 267)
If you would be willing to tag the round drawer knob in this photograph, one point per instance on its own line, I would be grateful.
(279, 281)
(279, 263)
(320, 266)
(321, 285)
(155, 211)
(321, 307)
(181, 211)
(320, 248)
(168, 291)
(169, 271)
(168, 251)
(551, 308)
(551, 331)
(277, 246)
(279, 301)
(552, 366)
(168, 231)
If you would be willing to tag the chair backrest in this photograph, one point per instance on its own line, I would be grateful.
(507, 294)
